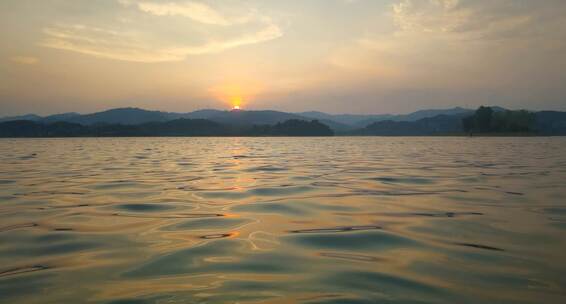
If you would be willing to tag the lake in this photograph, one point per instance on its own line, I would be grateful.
(283, 220)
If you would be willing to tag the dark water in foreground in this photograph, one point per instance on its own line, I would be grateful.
(283, 220)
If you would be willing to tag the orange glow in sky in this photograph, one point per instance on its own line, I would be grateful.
(236, 102)
(388, 56)
(235, 96)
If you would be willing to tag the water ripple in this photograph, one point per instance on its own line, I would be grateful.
(283, 220)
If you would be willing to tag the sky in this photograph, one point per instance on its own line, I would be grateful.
(336, 56)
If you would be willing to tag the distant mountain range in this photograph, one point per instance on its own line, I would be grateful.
(121, 122)
(133, 116)
(365, 120)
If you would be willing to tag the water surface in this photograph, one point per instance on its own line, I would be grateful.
(283, 220)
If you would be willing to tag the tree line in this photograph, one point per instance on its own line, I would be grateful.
(177, 127)
(486, 120)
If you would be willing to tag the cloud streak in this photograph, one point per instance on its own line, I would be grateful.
(199, 12)
(216, 32)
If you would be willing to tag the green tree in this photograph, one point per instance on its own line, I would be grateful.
(487, 120)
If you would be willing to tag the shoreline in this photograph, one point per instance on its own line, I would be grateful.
(290, 136)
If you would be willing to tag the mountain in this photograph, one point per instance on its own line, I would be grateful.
(432, 113)
(133, 116)
(246, 118)
(129, 116)
(335, 126)
(498, 109)
(125, 116)
(31, 117)
(210, 122)
(416, 115)
(435, 120)
(60, 117)
(344, 119)
(438, 125)
(203, 114)
(363, 120)
(241, 117)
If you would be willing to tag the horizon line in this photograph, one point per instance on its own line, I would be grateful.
(256, 110)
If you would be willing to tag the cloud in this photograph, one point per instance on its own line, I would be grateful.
(104, 43)
(24, 60)
(197, 11)
(462, 44)
(486, 20)
(429, 30)
(201, 29)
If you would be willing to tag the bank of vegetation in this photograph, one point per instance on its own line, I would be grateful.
(485, 121)
(177, 127)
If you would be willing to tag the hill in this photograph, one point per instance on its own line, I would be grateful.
(437, 125)
(243, 118)
(31, 117)
(125, 116)
(421, 114)
(345, 119)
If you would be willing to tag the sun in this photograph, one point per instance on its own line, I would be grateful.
(236, 102)
(235, 97)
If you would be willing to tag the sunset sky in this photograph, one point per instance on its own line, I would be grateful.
(337, 56)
